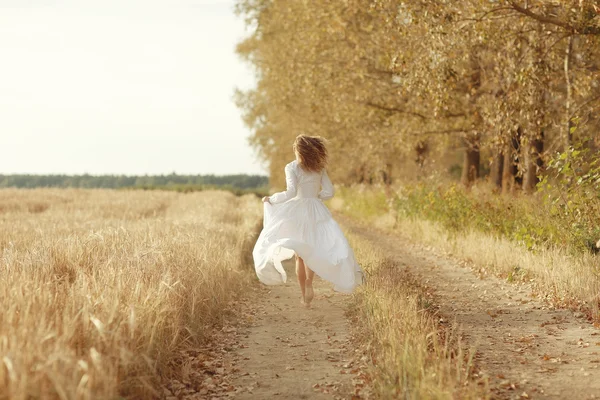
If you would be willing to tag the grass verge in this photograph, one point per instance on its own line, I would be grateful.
(564, 275)
(413, 357)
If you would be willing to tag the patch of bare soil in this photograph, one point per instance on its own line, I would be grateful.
(525, 348)
(293, 352)
(279, 349)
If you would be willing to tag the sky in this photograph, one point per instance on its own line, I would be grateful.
(122, 87)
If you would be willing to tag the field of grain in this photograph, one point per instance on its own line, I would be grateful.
(100, 290)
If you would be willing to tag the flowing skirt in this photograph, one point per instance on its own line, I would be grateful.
(304, 226)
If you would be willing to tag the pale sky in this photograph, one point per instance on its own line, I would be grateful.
(122, 87)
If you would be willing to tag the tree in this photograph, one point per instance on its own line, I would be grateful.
(379, 78)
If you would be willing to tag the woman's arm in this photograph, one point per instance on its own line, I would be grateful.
(290, 180)
(327, 190)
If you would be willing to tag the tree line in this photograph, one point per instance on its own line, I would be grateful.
(401, 86)
(239, 181)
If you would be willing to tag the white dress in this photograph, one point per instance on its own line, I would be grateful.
(298, 222)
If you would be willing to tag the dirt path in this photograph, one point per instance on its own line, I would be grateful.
(291, 352)
(527, 349)
(277, 349)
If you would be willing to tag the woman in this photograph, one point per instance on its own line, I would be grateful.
(297, 222)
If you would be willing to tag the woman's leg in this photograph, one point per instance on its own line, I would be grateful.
(301, 273)
(310, 274)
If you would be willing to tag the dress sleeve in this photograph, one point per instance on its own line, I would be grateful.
(291, 181)
(327, 190)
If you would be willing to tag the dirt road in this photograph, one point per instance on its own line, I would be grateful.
(524, 347)
(277, 349)
(293, 352)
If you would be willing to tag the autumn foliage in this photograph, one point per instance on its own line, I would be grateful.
(404, 88)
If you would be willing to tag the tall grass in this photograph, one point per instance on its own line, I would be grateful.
(100, 289)
(414, 358)
(507, 236)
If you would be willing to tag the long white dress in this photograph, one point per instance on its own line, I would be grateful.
(298, 222)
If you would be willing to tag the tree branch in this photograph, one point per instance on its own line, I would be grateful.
(395, 110)
(485, 15)
(442, 132)
(416, 114)
(568, 35)
(581, 30)
(581, 106)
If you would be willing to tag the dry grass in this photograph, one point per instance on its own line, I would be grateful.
(413, 357)
(100, 289)
(564, 279)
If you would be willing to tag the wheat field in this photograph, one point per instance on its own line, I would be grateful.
(101, 289)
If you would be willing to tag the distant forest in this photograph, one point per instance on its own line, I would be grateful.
(174, 181)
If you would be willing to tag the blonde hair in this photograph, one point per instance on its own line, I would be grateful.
(311, 151)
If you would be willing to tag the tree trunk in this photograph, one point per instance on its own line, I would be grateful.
(386, 174)
(497, 170)
(533, 163)
(421, 149)
(509, 171)
(569, 99)
(358, 174)
(511, 163)
(470, 170)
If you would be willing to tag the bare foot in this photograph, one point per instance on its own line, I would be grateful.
(304, 303)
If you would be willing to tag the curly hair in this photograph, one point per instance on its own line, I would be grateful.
(311, 151)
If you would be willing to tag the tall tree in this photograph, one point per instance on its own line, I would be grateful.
(379, 78)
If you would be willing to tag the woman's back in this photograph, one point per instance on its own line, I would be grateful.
(309, 182)
(303, 184)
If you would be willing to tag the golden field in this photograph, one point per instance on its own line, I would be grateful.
(100, 289)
